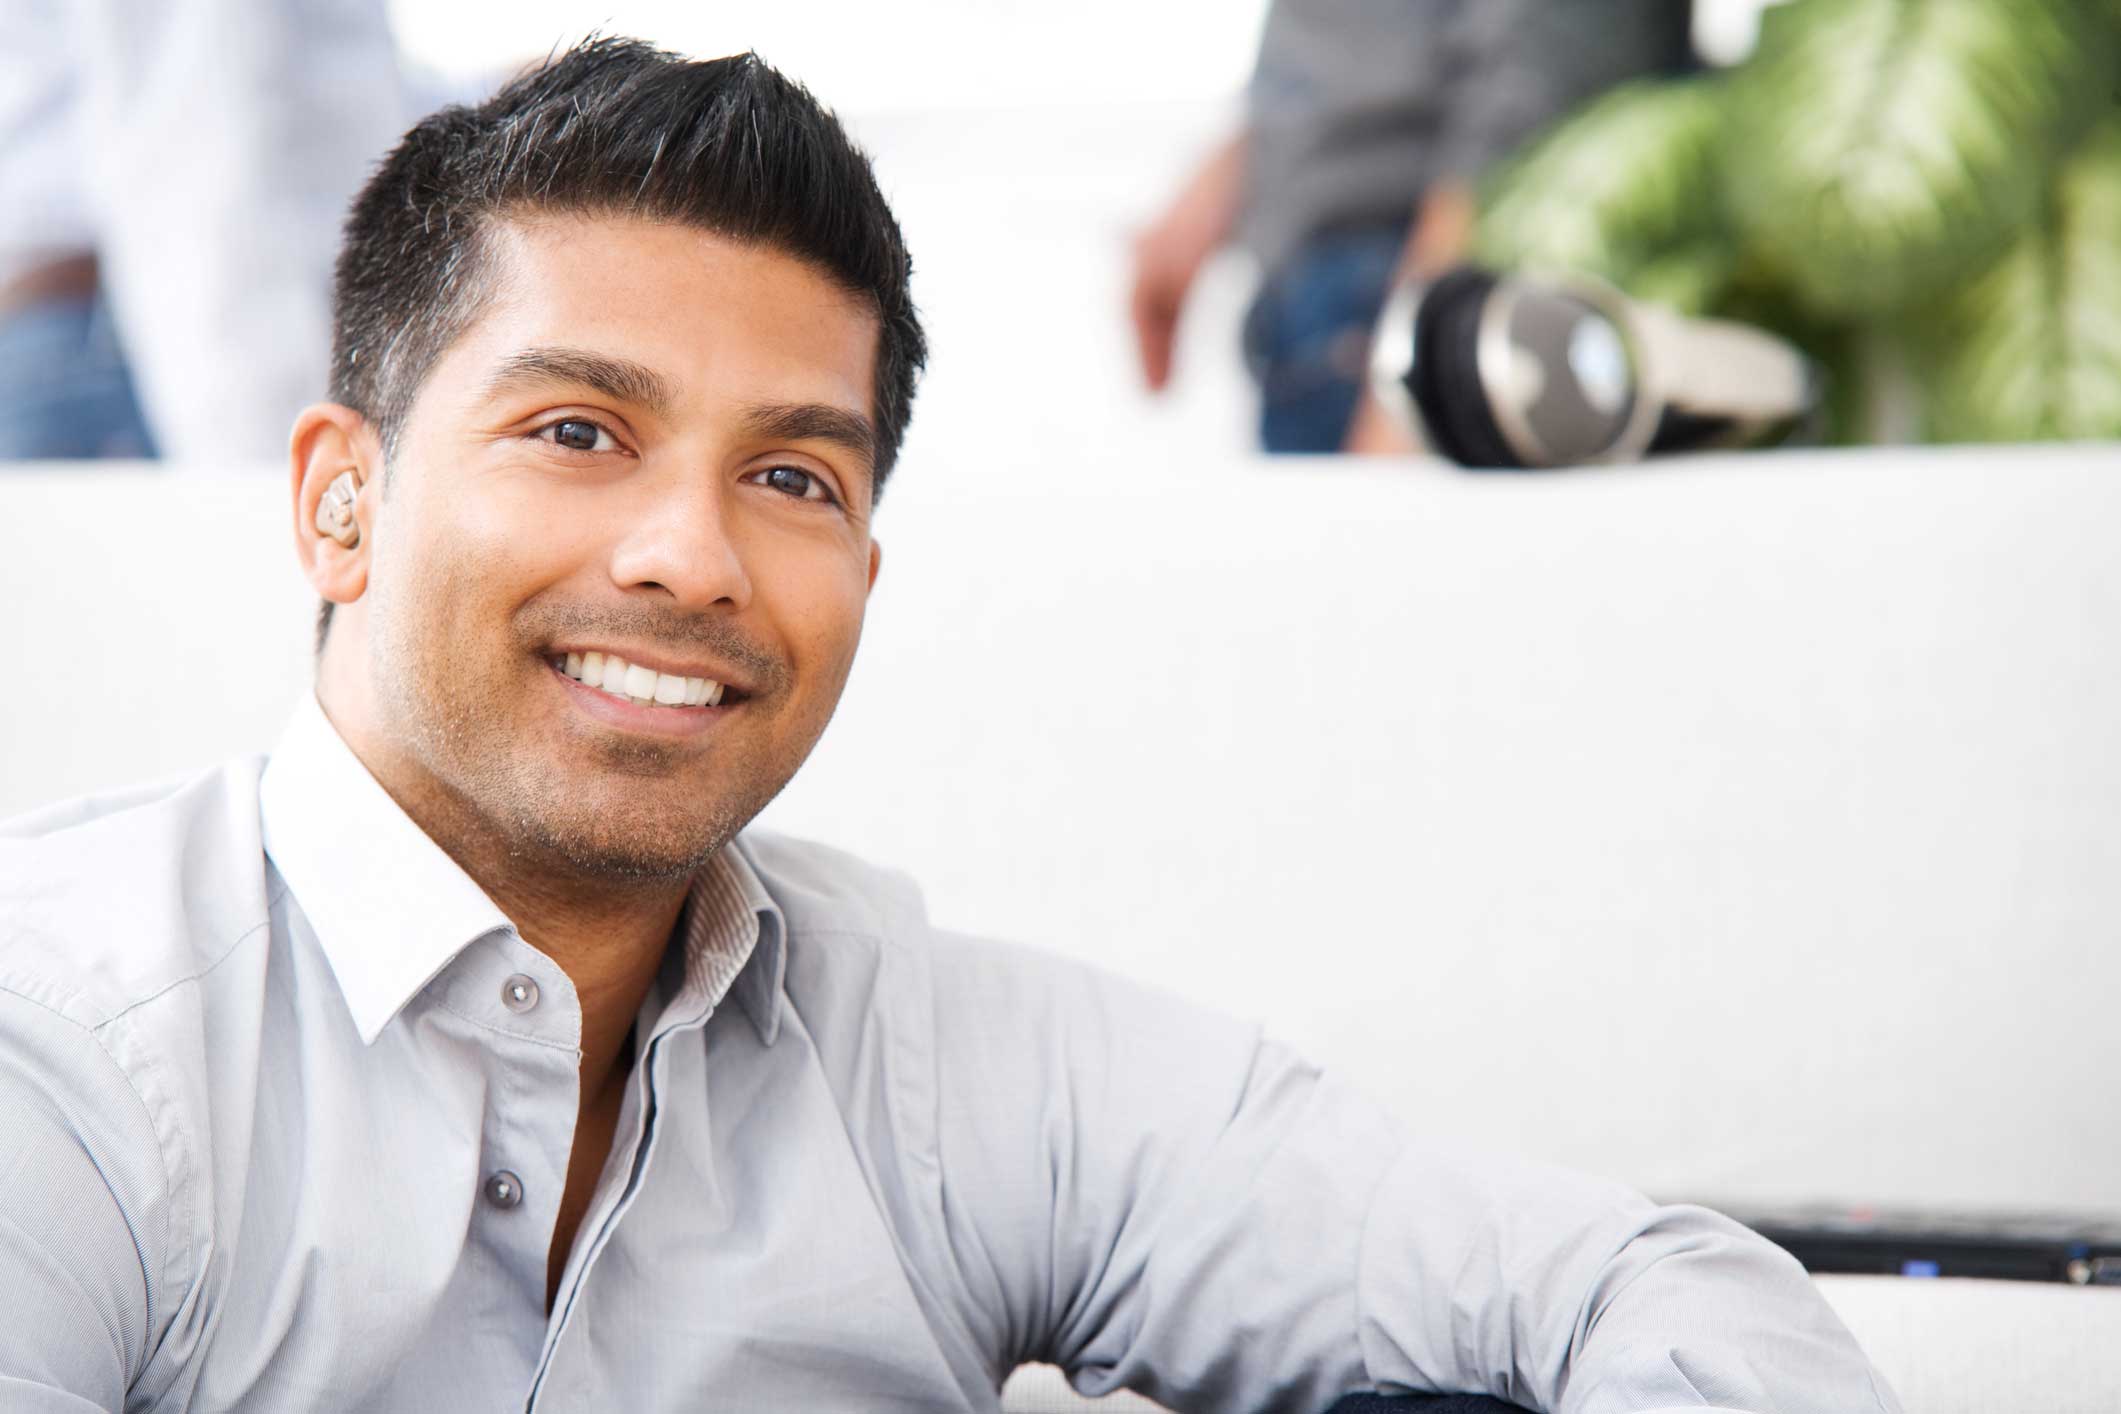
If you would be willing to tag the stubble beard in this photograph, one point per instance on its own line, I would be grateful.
(504, 798)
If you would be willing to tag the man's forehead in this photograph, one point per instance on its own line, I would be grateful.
(693, 312)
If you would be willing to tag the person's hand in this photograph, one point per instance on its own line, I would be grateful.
(1443, 229)
(1377, 431)
(1166, 260)
(1169, 253)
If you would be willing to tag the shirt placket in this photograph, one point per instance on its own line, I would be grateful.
(522, 1011)
(621, 1180)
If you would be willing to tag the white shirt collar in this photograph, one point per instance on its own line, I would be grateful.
(391, 909)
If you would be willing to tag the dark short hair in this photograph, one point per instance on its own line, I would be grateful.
(619, 127)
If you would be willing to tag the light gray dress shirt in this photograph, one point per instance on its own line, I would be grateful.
(287, 1106)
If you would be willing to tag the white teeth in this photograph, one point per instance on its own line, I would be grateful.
(637, 684)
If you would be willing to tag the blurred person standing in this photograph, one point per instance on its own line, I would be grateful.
(172, 178)
(1367, 123)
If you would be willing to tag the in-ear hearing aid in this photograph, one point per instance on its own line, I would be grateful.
(335, 510)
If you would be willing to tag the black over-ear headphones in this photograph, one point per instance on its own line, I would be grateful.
(1503, 371)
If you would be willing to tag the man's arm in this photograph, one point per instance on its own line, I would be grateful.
(1162, 1201)
(1441, 235)
(1559, 1291)
(83, 1218)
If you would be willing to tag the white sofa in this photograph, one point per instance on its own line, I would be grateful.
(1746, 828)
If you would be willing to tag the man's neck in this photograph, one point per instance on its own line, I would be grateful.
(610, 944)
(608, 935)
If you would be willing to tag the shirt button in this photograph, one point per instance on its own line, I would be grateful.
(503, 1189)
(519, 993)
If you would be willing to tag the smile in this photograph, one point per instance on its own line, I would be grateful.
(631, 682)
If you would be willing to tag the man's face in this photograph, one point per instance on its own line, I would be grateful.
(646, 448)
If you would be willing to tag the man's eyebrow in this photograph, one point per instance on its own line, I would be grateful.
(619, 378)
(822, 422)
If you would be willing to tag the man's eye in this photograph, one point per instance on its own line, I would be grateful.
(794, 481)
(579, 435)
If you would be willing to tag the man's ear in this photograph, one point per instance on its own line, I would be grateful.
(876, 561)
(337, 466)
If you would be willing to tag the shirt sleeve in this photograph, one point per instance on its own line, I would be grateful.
(82, 1218)
(1517, 66)
(1154, 1197)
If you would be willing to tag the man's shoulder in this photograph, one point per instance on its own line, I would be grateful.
(840, 907)
(858, 937)
(109, 900)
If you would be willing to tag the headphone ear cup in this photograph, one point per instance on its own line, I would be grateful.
(1445, 379)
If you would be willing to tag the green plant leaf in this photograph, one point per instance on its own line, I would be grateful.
(1883, 149)
(2031, 348)
(1627, 181)
(1690, 278)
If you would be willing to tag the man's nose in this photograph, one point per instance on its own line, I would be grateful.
(682, 545)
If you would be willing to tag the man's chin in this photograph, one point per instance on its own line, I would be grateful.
(624, 843)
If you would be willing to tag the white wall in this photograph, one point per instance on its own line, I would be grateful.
(1750, 827)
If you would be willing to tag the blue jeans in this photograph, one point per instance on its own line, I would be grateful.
(1307, 335)
(65, 390)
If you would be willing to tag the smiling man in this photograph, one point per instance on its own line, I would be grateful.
(468, 1054)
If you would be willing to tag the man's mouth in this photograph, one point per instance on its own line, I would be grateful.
(644, 687)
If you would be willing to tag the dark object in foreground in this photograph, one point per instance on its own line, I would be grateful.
(1422, 1404)
(2059, 1247)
